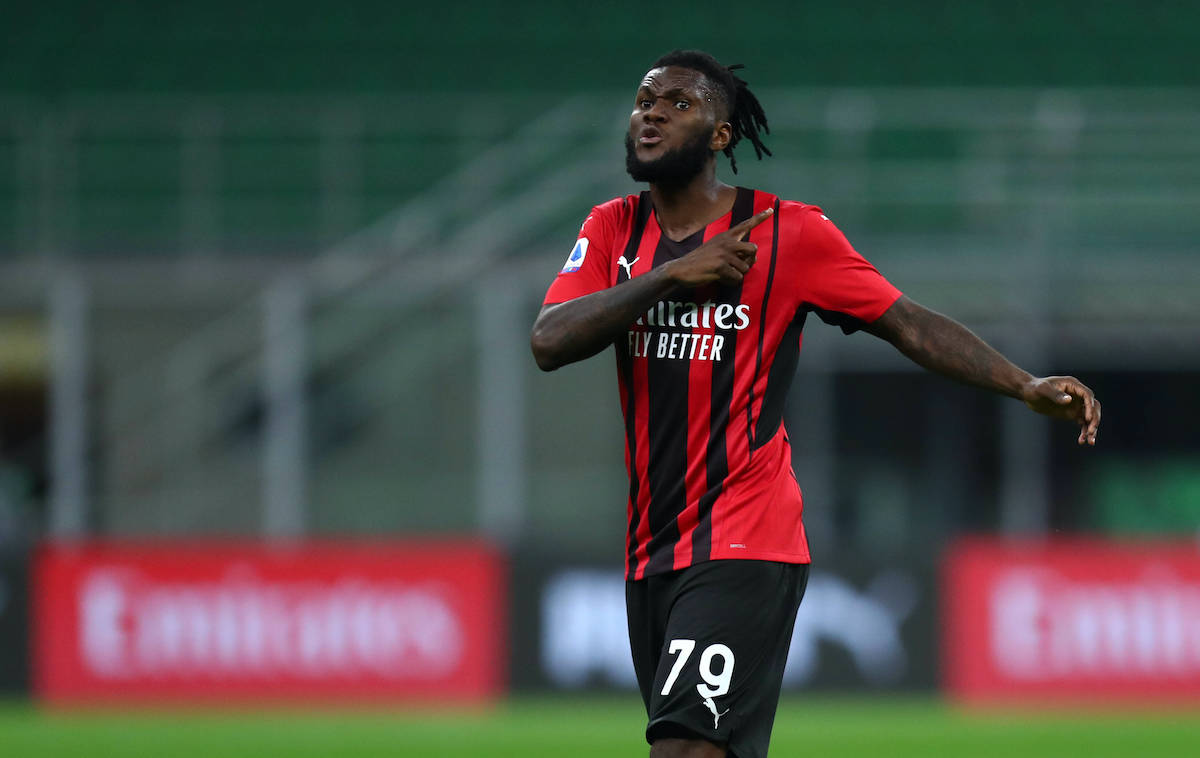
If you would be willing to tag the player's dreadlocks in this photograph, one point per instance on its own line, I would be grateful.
(745, 113)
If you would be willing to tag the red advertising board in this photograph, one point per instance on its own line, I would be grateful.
(197, 621)
(1073, 620)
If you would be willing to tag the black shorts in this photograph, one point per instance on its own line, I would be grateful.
(709, 645)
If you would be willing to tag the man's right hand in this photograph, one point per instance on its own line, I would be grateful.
(725, 258)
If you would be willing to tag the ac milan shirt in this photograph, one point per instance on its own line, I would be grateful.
(704, 374)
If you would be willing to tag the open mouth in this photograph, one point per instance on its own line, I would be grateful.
(649, 137)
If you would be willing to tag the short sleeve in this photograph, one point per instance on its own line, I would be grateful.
(589, 264)
(841, 286)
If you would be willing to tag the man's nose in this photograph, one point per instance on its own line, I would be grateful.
(656, 112)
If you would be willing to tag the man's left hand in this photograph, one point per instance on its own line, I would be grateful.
(1067, 398)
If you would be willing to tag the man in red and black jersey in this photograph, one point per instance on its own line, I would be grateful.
(703, 289)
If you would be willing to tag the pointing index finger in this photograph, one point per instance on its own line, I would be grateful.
(742, 229)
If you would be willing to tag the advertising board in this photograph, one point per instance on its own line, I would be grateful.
(215, 620)
(1072, 620)
(864, 624)
(14, 622)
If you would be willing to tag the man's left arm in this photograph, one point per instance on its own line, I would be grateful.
(941, 344)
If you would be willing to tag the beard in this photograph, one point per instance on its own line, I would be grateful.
(674, 168)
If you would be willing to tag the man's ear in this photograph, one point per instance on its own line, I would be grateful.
(722, 134)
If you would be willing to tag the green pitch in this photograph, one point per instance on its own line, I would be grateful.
(582, 727)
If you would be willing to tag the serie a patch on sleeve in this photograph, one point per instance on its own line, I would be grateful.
(575, 259)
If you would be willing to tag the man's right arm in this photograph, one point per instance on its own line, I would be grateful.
(580, 328)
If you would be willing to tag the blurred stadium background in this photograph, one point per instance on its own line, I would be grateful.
(269, 268)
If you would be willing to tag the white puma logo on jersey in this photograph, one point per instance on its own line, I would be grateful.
(628, 265)
(708, 701)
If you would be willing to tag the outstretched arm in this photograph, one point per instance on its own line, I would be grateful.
(943, 345)
(580, 328)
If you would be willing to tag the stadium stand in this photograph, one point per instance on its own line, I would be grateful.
(141, 128)
(966, 147)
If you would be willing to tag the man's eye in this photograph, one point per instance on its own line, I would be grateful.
(683, 105)
(646, 104)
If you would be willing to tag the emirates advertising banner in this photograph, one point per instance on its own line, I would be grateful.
(198, 621)
(1072, 620)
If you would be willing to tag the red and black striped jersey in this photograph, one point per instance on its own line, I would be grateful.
(704, 374)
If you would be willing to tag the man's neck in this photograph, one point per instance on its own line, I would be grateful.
(683, 211)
